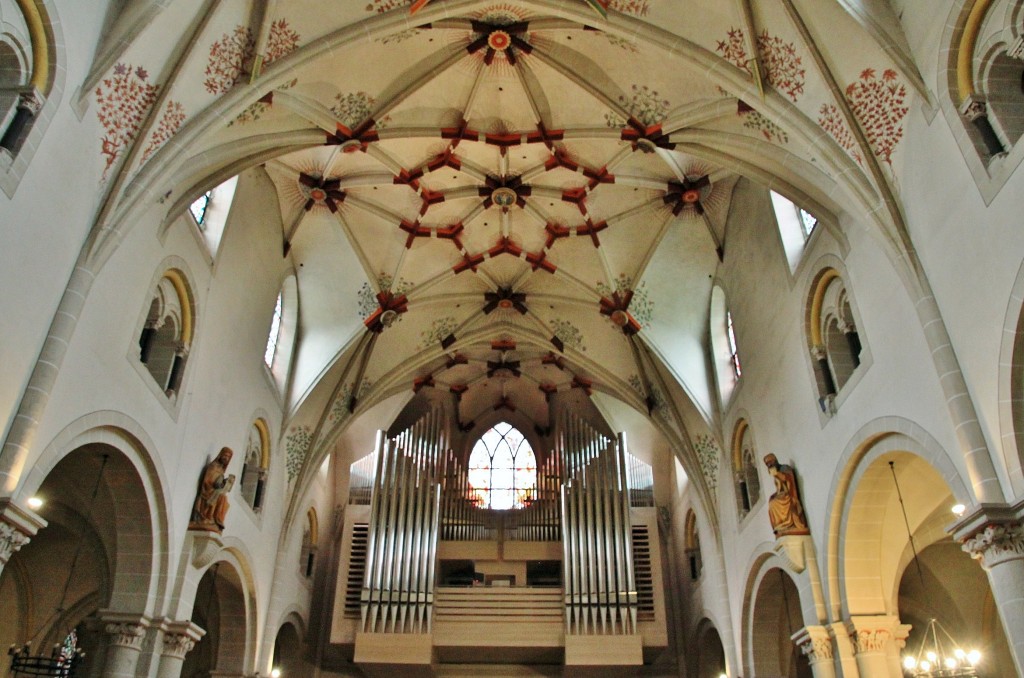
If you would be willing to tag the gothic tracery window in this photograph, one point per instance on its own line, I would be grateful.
(502, 469)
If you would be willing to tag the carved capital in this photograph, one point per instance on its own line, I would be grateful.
(1016, 48)
(974, 107)
(870, 640)
(31, 101)
(11, 541)
(996, 544)
(177, 645)
(815, 643)
(873, 634)
(126, 634)
(818, 352)
(17, 527)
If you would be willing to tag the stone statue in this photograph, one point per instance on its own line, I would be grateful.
(784, 507)
(212, 499)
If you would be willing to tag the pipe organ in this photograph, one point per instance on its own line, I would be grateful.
(398, 592)
(414, 517)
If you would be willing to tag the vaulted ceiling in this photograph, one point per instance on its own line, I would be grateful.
(505, 199)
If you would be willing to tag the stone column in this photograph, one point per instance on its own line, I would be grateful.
(126, 633)
(178, 640)
(874, 640)
(975, 109)
(994, 535)
(17, 527)
(30, 103)
(816, 645)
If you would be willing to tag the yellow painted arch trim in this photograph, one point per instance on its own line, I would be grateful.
(965, 52)
(264, 432)
(185, 301)
(314, 526)
(826, 277)
(737, 444)
(691, 529)
(40, 45)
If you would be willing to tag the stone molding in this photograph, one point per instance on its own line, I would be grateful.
(996, 544)
(32, 101)
(815, 643)
(1016, 48)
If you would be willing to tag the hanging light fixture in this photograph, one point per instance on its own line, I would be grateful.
(64, 658)
(939, 656)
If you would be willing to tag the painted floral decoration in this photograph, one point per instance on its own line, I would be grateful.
(568, 334)
(281, 41)
(641, 307)
(439, 329)
(352, 108)
(170, 121)
(644, 104)
(368, 297)
(708, 455)
(124, 99)
(296, 445)
(229, 58)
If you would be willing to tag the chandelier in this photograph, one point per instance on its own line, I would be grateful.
(936, 657)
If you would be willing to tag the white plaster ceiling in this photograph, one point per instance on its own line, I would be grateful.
(394, 138)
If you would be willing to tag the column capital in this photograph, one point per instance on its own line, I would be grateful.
(17, 527)
(992, 533)
(125, 629)
(1016, 48)
(815, 643)
(31, 100)
(974, 107)
(179, 638)
(818, 352)
(872, 634)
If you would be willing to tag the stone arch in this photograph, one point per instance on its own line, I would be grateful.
(832, 332)
(167, 327)
(99, 556)
(289, 651)
(770, 616)
(223, 603)
(256, 463)
(852, 529)
(692, 539)
(746, 478)
(146, 547)
(710, 653)
(1011, 385)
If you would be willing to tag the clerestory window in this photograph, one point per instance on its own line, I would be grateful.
(502, 469)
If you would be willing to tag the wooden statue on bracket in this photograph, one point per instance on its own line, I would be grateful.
(211, 505)
(784, 507)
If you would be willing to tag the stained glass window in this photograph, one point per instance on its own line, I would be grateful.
(502, 469)
(199, 207)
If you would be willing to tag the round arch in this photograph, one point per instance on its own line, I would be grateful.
(853, 501)
(1011, 385)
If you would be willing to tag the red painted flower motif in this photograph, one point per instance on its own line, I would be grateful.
(172, 118)
(123, 102)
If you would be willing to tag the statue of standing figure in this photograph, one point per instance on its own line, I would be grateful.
(211, 504)
(784, 507)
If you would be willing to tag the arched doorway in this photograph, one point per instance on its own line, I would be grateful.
(776, 617)
(219, 609)
(898, 562)
(96, 553)
(289, 653)
(710, 653)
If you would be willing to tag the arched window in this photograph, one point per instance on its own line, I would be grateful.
(210, 212)
(744, 467)
(693, 556)
(166, 335)
(724, 347)
(795, 227)
(310, 539)
(25, 73)
(282, 333)
(835, 344)
(502, 469)
(257, 462)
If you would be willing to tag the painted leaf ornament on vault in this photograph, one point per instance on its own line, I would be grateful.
(645, 105)
(170, 121)
(124, 100)
(879, 105)
(229, 57)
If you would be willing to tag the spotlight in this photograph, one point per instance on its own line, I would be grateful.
(275, 672)
(958, 510)
(34, 503)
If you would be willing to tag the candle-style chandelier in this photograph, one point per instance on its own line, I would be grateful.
(940, 656)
